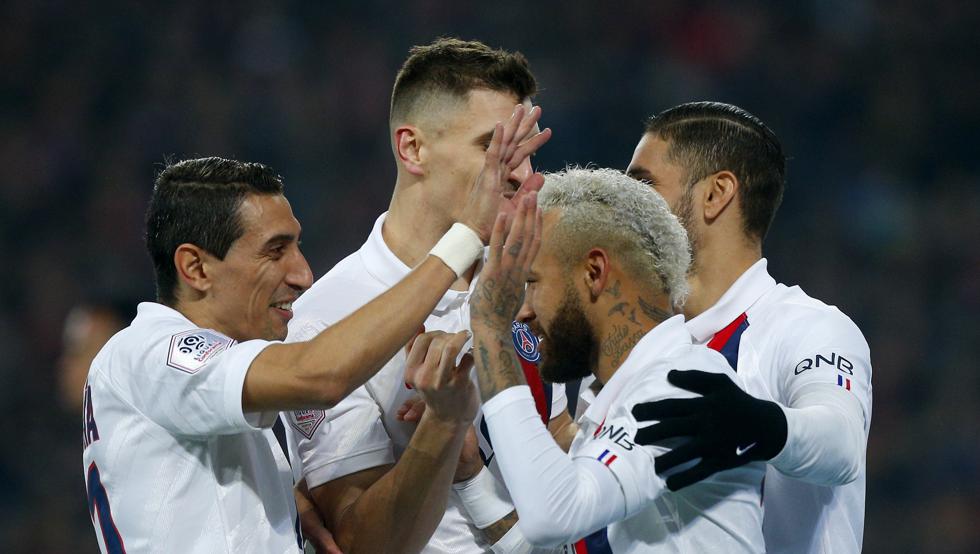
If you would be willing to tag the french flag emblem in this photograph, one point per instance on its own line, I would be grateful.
(607, 458)
(843, 382)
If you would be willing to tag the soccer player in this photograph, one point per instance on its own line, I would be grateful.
(445, 101)
(611, 266)
(177, 452)
(806, 365)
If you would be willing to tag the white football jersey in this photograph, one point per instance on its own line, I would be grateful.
(722, 513)
(172, 464)
(779, 339)
(362, 432)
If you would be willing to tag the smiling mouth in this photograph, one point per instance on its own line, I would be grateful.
(285, 307)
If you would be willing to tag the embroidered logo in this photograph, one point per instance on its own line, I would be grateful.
(190, 350)
(525, 342)
(306, 421)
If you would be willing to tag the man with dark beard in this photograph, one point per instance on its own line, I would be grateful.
(612, 266)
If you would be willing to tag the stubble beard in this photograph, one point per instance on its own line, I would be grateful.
(685, 214)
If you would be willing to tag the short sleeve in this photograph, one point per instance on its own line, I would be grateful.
(828, 349)
(190, 383)
(345, 439)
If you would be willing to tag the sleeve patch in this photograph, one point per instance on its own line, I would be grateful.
(190, 350)
(306, 421)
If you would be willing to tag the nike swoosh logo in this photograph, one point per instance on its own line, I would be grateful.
(739, 450)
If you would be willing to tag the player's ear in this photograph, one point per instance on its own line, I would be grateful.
(597, 272)
(192, 263)
(722, 187)
(408, 148)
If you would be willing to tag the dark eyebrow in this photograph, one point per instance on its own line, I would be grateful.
(485, 138)
(642, 174)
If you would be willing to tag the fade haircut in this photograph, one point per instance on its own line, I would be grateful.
(196, 202)
(708, 137)
(608, 209)
(451, 68)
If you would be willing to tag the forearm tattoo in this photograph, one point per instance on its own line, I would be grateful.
(497, 367)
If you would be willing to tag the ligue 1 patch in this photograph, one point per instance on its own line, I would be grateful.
(190, 350)
(525, 342)
(306, 421)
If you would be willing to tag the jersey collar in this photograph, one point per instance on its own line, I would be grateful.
(656, 345)
(748, 288)
(147, 311)
(385, 266)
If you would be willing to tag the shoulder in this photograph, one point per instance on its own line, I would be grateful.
(797, 318)
(651, 382)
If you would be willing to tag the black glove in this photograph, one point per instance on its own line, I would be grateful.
(727, 427)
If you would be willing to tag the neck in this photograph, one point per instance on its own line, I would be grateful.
(196, 311)
(627, 314)
(717, 265)
(413, 227)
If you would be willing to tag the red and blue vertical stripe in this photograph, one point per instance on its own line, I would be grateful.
(728, 339)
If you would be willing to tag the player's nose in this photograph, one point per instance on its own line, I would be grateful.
(299, 276)
(526, 313)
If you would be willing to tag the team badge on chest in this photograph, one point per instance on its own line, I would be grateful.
(525, 342)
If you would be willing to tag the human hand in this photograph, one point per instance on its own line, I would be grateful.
(314, 529)
(470, 462)
(499, 291)
(411, 410)
(444, 386)
(512, 143)
(727, 427)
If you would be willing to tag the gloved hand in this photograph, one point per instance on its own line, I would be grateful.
(727, 427)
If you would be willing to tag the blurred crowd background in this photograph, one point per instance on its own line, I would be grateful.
(877, 105)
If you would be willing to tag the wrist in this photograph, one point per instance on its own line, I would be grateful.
(451, 424)
(482, 500)
(777, 429)
(459, 248)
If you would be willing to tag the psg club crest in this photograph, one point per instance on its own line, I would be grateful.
(525, 342)
(190, 350)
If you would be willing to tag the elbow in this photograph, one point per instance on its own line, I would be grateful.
(542, 532)
(850, 457)
(328, 394)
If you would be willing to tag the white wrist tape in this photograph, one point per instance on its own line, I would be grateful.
(459, 248)
(513, 542)
(481, 501)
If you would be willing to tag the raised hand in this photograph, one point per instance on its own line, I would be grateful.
(446, 388)
(499, 292)
(511, 145)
